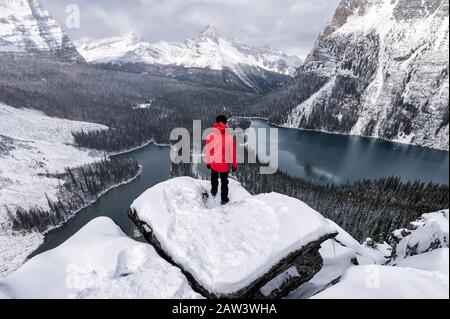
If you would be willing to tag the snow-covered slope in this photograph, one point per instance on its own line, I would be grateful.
(98, 262)
(207, 51)
(420, 277)
(227, 248)
(27, 25)
(379, 69)
(339, 254)
(6, 46)
(419, 268)
(32, 145)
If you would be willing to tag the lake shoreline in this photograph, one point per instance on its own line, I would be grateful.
(324, 155)
(151, 142)
(74, 213)
(340, 134)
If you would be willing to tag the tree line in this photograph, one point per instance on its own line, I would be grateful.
(367, 208)
(80, 187)
(87, 93)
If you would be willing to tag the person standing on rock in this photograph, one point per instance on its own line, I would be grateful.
(221, 157)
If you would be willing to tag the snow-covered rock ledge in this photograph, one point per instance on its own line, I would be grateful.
(232, 251)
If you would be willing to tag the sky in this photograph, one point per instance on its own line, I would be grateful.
(289, 25)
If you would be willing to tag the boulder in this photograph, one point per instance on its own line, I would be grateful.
(232, 251)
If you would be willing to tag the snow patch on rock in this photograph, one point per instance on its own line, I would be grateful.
(430, 232)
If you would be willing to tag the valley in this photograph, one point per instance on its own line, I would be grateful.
(363, 149)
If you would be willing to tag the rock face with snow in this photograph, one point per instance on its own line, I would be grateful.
(98, 262)
(232, 251)
(380, 69)
(255, 67)
(424, 276)
(359, 271)
(428, 233)
(25, 25)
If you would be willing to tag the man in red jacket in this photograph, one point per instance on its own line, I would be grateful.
(220, 155)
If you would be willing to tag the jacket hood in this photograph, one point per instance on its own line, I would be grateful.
(221, 127)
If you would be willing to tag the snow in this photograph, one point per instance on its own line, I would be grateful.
(15, 249)
(431, 230)
(278, 281)
(28, 26)
(6, 46)
(380, 252)
(338, 256)
(207, 51)
(32, 144)
(143, 106)
(98, 262)
(336, 260)
(39, 144)
(436, 260)
(305, 109)
(422, 276)
(419, 277)
(408, 47)
(398, 39)
(228, 247)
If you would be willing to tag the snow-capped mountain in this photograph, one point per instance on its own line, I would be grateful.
(6, 46)
(381, 69)
(25, 25)
(208, 51)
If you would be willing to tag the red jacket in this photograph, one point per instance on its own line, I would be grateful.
(221, 149)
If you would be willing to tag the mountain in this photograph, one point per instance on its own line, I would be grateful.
(253, 66)
(25, 25)
(380, 68)
(6, 46)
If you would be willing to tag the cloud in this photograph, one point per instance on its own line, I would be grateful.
(289, 25)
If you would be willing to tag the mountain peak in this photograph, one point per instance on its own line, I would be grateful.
(28, 26)
(208, 51)
(210, 32)
(133, 37)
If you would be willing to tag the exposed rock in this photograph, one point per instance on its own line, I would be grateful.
(302, 271)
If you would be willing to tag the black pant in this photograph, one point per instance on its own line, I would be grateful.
(215, 184)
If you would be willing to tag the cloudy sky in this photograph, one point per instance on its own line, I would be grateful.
(289, 25)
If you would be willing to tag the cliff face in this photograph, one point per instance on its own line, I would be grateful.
(27, 26)
(380, 69)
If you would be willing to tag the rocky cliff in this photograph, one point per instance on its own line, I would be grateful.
(380, 68)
